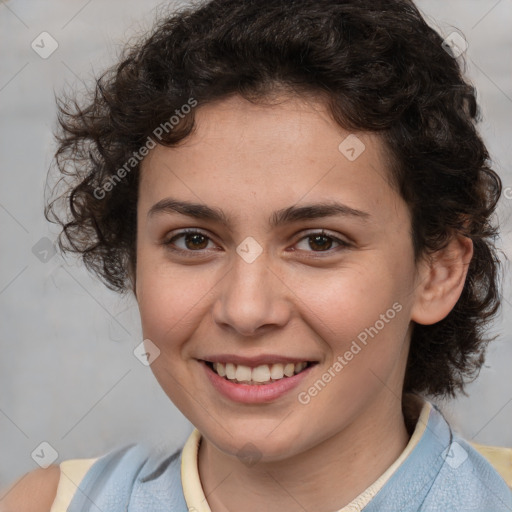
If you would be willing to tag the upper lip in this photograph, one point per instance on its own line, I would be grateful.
(256, 360)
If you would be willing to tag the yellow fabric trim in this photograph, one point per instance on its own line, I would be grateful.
(192, 489)
(196, 500)
(71, 474)
(367, 495)
(499, 457)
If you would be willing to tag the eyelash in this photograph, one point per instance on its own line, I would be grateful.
(188, 252)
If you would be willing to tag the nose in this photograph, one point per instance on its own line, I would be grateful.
(253, 298)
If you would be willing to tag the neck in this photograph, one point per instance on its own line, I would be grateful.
(324, 478)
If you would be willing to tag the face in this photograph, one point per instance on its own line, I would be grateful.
(261, 274)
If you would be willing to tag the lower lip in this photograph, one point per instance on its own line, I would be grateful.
(257, 393)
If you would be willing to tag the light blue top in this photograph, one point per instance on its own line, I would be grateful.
(442, 473)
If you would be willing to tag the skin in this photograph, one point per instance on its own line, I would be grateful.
(33, 492)
(296, 299)
(251, 160)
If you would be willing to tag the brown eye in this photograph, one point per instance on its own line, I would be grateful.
(195, 241)
(192, 241)
(321, 242)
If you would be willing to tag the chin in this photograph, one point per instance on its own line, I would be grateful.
(259, 443)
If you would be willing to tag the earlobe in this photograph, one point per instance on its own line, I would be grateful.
(441, 279)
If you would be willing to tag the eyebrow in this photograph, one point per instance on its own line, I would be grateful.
(284, 216)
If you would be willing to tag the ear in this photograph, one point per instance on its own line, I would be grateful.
(441, 278)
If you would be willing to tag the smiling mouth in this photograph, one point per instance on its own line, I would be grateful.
(259, 375)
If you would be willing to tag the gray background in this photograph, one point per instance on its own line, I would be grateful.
(68, 375)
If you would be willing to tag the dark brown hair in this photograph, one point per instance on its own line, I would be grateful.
(379, 67)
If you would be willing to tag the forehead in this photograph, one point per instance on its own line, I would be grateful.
(243, 155)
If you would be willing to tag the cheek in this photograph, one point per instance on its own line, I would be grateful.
(363, 324)
(344, 303)
(361, 316)
(170, 298)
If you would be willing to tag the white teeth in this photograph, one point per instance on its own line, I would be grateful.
(277, 371)
(230, 370)
(243, 373)
(300, 366)
(220, 369)
(260, 374)
(289, 369)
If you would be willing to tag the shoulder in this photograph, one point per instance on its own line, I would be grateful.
(134, 475)
(137, 473)
(500, 458)
(41, 489)
(443, 473)
(33, 492)
(468, 481)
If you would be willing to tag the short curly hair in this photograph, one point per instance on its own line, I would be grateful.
(378, 66)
